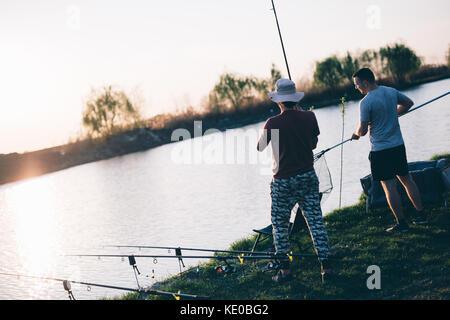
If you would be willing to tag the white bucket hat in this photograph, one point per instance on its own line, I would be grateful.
(286, 92)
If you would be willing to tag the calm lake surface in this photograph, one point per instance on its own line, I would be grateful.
(169, 196)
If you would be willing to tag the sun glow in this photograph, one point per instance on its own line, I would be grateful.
(31, 203)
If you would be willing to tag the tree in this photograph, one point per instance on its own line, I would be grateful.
(371, 59)
(232, 90)
(275, 75)
(235, 91)
(328, 73)
(109, 110)
(400, 61)
(349, 67)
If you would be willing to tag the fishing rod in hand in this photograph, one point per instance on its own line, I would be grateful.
(321, 153)
(424, 104)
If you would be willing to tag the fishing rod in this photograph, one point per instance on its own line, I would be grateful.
(241, 257)
(321, 153)
(281, 39)
(178, 254)
(318, 155)
(424, 104)
(178, 250)
(67, 286)
(224, 258)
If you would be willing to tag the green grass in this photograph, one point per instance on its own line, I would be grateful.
(415, 265)
(441, 156)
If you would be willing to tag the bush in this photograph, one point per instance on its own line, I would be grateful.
(349, 65)
(328, 73)
(372, 59)
(400, 61)
(109, 111)
(233, 91)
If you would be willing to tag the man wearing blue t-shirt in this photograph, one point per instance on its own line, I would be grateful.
(379, 112)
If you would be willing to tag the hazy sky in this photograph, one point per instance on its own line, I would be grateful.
(173, 51)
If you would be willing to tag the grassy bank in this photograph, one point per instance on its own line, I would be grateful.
(415, 265)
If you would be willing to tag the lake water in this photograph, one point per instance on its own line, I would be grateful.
(167, 196)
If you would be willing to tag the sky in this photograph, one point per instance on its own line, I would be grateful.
(171, 53)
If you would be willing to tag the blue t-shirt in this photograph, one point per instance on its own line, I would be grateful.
(379, 108)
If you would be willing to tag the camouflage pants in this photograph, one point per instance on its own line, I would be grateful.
(285, 193)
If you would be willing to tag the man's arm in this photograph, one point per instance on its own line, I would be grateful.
(315, 139)
(404, 104)
(316, 132)
(265, 138)
(263, 141)
(362, 130)
(364, 119)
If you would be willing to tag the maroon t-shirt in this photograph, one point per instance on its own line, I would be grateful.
(298, 131)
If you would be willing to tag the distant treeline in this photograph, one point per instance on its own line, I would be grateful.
(238, 99)
(114, 125)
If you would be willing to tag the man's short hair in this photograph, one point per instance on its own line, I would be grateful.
(289, 104)
(365, 74)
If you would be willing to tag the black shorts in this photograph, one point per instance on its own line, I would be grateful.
(388, 163)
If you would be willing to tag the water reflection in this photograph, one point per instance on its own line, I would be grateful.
(31, 206)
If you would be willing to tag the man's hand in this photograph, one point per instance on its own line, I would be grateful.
(362, 130)
(404, 105)
(401, 110)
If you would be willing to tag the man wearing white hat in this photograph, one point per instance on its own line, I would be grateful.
(293, 134)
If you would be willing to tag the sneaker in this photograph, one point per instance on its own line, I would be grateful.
(420, 218)
(398, 228)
